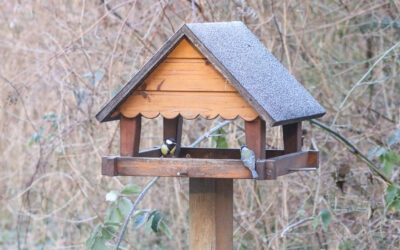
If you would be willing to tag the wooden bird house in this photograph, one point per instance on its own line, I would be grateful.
(211, 70)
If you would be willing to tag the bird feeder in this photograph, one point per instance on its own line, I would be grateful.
(211, 70)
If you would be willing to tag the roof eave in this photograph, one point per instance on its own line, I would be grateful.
(300, 119)
(109, 108)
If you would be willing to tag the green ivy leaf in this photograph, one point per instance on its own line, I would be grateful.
(91, 240)
(394, 206)
(392, 198)
(35, 138)
(124, 206)
(131, 189)
(165, 229)
(387, 167)
(140, 218)
(380, 151)
(315, 222)
(99, 244)
(392, 156)
(155, 218)
(107, 232)
(347, 245)
(326, 218)
(391, 192)
(98, 238)
(220, 140)
(388, 160)
(112, 224)
(113, 215)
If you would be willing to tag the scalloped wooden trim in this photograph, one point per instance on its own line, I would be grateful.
(190, 117)
(190, 105)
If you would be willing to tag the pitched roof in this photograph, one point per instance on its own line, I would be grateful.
(238, 55)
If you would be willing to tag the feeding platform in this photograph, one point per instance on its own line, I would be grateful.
(208, 163)
(211, 70)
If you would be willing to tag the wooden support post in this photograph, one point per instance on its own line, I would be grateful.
(255, 140)
(211, 214)
(292, 137)
(130, 135)
(173, 129)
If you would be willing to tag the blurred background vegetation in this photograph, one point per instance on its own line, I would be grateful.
(62, 60)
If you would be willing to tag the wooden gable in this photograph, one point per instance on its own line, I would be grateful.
(186, 83)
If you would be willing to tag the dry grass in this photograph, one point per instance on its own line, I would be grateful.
(51, 190)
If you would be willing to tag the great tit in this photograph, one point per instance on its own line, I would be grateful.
(249, 160)
(168, 147)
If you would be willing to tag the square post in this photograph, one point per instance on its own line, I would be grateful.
(292, 137)
(211, 214)
(130, 135)
(255, 140)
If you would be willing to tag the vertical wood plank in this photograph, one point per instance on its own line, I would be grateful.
(224, 213)
(130, 135)
(211, 214)
(255, 140)
(292, 137)
(173, 129)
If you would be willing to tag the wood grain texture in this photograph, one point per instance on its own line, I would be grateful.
(109, 166)
(221, 153)
(292, 137)
(301, 159)
(153, 152)
(208, 153)
(186, 75)
(173, 129)
(179, 167)
(255, 140)
(211, 214)
(130, 135)
(206, 168)
(188, 85)
(185, 49)
(189, 105)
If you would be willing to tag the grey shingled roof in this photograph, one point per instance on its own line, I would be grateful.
(238, 54)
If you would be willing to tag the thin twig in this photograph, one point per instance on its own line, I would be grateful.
(353, 149)
(154, 180)
(295, 225)
(362, 79)
(279, 30)
(210, 132)
(139, 198)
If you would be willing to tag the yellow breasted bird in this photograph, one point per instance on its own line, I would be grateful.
(168, 147)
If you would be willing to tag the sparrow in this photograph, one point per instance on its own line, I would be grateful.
(168, 147)
(249, 160)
